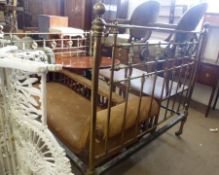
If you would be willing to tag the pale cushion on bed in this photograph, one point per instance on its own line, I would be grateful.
(117, 115)
(69, 116)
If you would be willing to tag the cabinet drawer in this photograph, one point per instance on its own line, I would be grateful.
(208, 74)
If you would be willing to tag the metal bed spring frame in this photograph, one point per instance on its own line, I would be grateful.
(179, 116)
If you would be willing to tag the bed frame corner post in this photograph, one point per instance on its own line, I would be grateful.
(183, 121)
(198, 55)
(98, 26)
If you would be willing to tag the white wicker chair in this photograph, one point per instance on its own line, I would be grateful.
(26, 144)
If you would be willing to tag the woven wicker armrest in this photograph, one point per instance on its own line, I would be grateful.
(102, 90)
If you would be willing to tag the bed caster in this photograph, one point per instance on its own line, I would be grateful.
(90, 173)
(178, 133)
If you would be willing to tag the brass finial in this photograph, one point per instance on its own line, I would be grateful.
(99, 9)
(98, 24)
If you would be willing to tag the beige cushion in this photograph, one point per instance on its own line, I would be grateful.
(117, 116)
(68, 115)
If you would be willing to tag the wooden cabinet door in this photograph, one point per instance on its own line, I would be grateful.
(34, 8)
(51, 7)
(75, 10)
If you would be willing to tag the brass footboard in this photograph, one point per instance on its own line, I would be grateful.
(169, 83)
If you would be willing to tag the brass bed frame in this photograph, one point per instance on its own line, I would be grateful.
(169, 81)
(182, 71)
(144, 103)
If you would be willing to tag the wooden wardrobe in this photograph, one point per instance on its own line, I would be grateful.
(34, 8)
(79, 13)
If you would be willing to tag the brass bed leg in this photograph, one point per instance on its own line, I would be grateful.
(180, 131)
(90, 172)
(155, 123)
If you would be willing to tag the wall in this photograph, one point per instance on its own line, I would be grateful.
(202, 94)
(133, 5)
(212, 45)
(211, 51)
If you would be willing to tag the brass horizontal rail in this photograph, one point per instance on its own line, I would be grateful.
(154, 73)
(119, 67)
(147, 43)
(162, 29)
(174, 117)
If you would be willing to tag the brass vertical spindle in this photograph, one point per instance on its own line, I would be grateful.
(190, 72)
(125, 110)
(115, 32)
(183, 86)
(139, 104)
(164, 83)
(152, 97)
(197, 58)
(97, 27)
(170, 91)
(177, 86)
